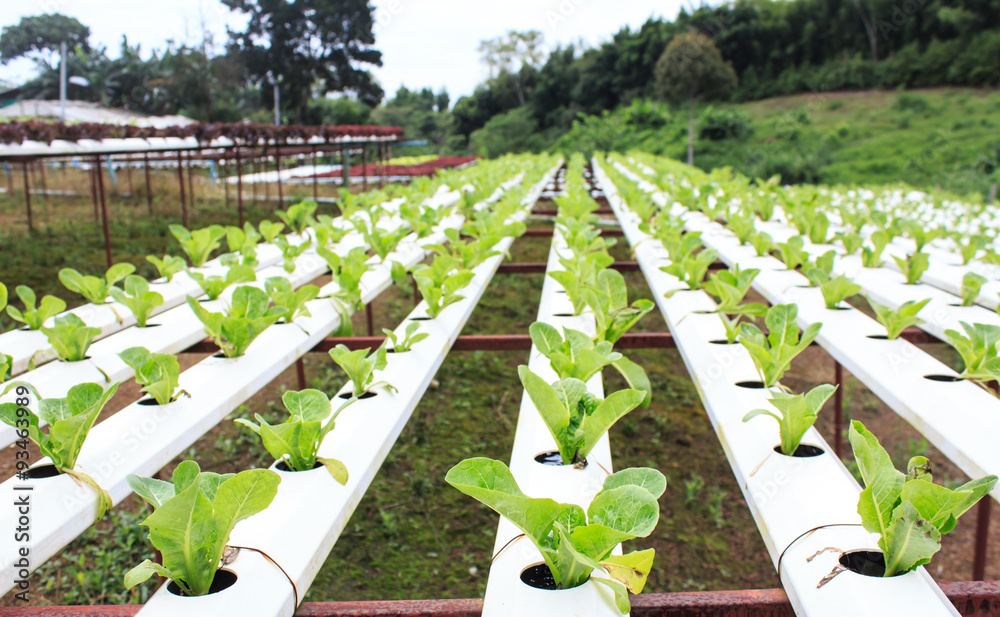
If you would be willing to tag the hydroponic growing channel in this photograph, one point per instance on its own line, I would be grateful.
(224, 543)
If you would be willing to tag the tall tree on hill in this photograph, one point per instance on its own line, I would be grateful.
(307, 47)
(691, 69)
(39, 37)
(508, 55)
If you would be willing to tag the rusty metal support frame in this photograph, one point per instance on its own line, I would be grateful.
(971, 599)
(27, 195)
(104, 209)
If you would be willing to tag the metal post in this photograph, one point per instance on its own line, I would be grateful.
(104, 209)
(45, 184)
(982, 536)
(838, 409)
(190, 183)
(10, 179)
(277, 163)
(315, 179)
(62, 81)
(94, 170)
(267, 185)
(180, 181)
(239, 186)
(369, 317)
(149, 191)
(253, 172)
(27, 194)
(300, 372)
(364, 167)
(225, 182)
(345, 166)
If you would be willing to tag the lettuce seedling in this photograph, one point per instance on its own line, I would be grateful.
(168, 266)
(574, 544)
(691, 269)
(327, 233)
(909, 512)
(871, 257)
(291, 251)
(913, 267)
(381, 241)
(972, 283)
(772, 354)
(851, 241)
(819, 227)
(192, 519)
(237, 239)
(467, 255)
(820, 270)
(440, 283)
(93, 288)
(798, 413)
(200, 243)
(792, 252)
(920, 234)
(296, 440)
(6, 367)
(70, 420)
(69, 337)
(247, 256)
(576, 418)
(297, 216)
(270, 230)
(347, 272)
(214, 284)
(730, 286)
(137, 298)
(978, 348)
(360, 367)
(742, 227)
(421, 219)
(895, 321)
(578, 273)
(409, 339)
(762, 242)
(971, 247)
(248, 317)
(3, 296)
(293, 301)
(34, 317)
(608, 299)
(157, 373)
(838, 289)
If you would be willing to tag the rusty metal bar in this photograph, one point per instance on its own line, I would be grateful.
(149, 191)
(315, 177)
(104, 209)
(131, 184)
(180, 180)
(223, 167)
(300, 373)
(239, 186)
(45, 184)
(27, 195)
(555, 211)
(190, 184)
(281, 193)
(838, 409)
(93, 193)
(971, 599)
(370, 319)
(416, 291)
(364, 167)
(547, 233)
(539, 267)
(982, 538)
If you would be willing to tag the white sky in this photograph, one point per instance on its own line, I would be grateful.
(423, 42)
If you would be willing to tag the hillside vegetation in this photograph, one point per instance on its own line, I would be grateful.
(943, 138)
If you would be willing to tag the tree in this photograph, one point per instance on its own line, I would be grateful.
(692, 69)
(39, 37)
(508, 55)
(308, 46)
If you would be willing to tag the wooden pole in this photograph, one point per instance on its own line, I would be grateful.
(315, 179)
(93, 192)
(267, 185)
(364, 167)
(277, 163)
(190, 183)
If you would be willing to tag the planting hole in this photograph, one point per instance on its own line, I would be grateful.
(552, 458)
(151, 325)
(224, 579)
(563, 315)
(753, 385)
(538, 576)
(839, 308)
(703, 312)
(720, 341)
(945, 378)
(347, 395)
(865, 563)
(150, 402)
(220, 356)
(420, 318)
(41, 472)
(283, 466)
(879, 337)
(803, 451)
